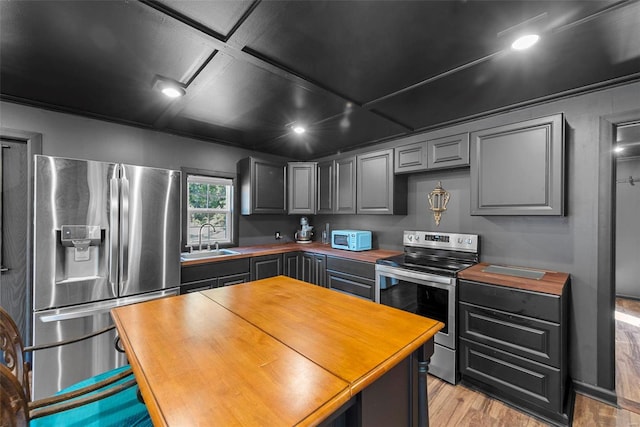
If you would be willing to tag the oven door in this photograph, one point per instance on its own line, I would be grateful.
(424, 294)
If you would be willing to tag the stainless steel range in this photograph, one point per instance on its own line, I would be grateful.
(423, 281)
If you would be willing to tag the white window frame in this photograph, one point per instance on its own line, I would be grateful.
(228, 211)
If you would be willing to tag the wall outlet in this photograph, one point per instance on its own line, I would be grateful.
(278, 235)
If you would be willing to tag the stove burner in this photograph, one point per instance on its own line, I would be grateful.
(443, 267)
(436, 258)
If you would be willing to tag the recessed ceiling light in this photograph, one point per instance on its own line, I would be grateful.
(618, 149)
(170, 88)
(525, 42)
(173, 92)
(299, 129)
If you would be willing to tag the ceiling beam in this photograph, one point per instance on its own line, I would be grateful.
(229, 45)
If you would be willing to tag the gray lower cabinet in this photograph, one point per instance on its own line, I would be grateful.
(200, 285)
(352, 277)
(233, 279)
(266, 266)
(293, 264)
(314, 269)
(262, 187)
(513, 346)
(379, 190)
(301, 178)
(518, 169)
(307, 266)
(214, 274)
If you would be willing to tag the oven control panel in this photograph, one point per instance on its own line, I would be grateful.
(451, 241)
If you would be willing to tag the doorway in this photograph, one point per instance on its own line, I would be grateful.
(16, 171)
(627, 264)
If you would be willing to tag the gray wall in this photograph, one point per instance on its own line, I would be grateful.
(66, 135)
(568, 243)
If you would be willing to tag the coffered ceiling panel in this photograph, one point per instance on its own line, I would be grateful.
(576, 57)
(351, 128)
(221, 17)
(354, 72)
(243, 96)
(366, 50)
(95, 57)
(257, 109)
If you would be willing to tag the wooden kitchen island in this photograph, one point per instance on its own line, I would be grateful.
(277, 352)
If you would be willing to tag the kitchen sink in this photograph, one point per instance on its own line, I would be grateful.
(212, 253)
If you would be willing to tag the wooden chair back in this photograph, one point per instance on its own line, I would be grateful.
(13, 351)
(14, 410)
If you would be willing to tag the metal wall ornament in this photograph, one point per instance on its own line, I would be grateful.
(438, 199)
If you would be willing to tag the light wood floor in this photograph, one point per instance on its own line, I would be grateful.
(459, 406)
(628, 353)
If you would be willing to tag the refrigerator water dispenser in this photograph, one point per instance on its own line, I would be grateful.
(82, 249)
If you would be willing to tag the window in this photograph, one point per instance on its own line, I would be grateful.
(210, 202)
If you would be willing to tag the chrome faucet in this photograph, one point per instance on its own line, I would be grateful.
(200, 235)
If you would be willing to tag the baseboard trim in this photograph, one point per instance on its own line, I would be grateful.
(629, 405)
(598, 393)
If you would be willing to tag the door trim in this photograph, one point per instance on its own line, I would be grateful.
(606, 227)
(34, 146)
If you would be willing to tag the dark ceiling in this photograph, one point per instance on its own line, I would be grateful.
(353, 72)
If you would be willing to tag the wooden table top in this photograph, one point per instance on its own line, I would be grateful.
(272, 352)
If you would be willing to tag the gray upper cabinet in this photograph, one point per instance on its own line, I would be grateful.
(325, 192)
(518, 169)
(262, 187)
(379, 190)
(345, 185)
(420, 153)
(448, 152)
(411, 156)
(302, 187)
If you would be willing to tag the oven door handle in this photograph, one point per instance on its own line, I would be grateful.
(401, 273)
(421, 279)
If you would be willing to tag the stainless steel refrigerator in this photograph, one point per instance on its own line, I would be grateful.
(105, 235)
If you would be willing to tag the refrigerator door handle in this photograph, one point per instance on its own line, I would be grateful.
(124, 232)
(113, 234)
(77, 313)
(88, 310)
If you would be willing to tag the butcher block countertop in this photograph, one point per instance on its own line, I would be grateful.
(280, 248)
(272, 352)
(552, 282)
